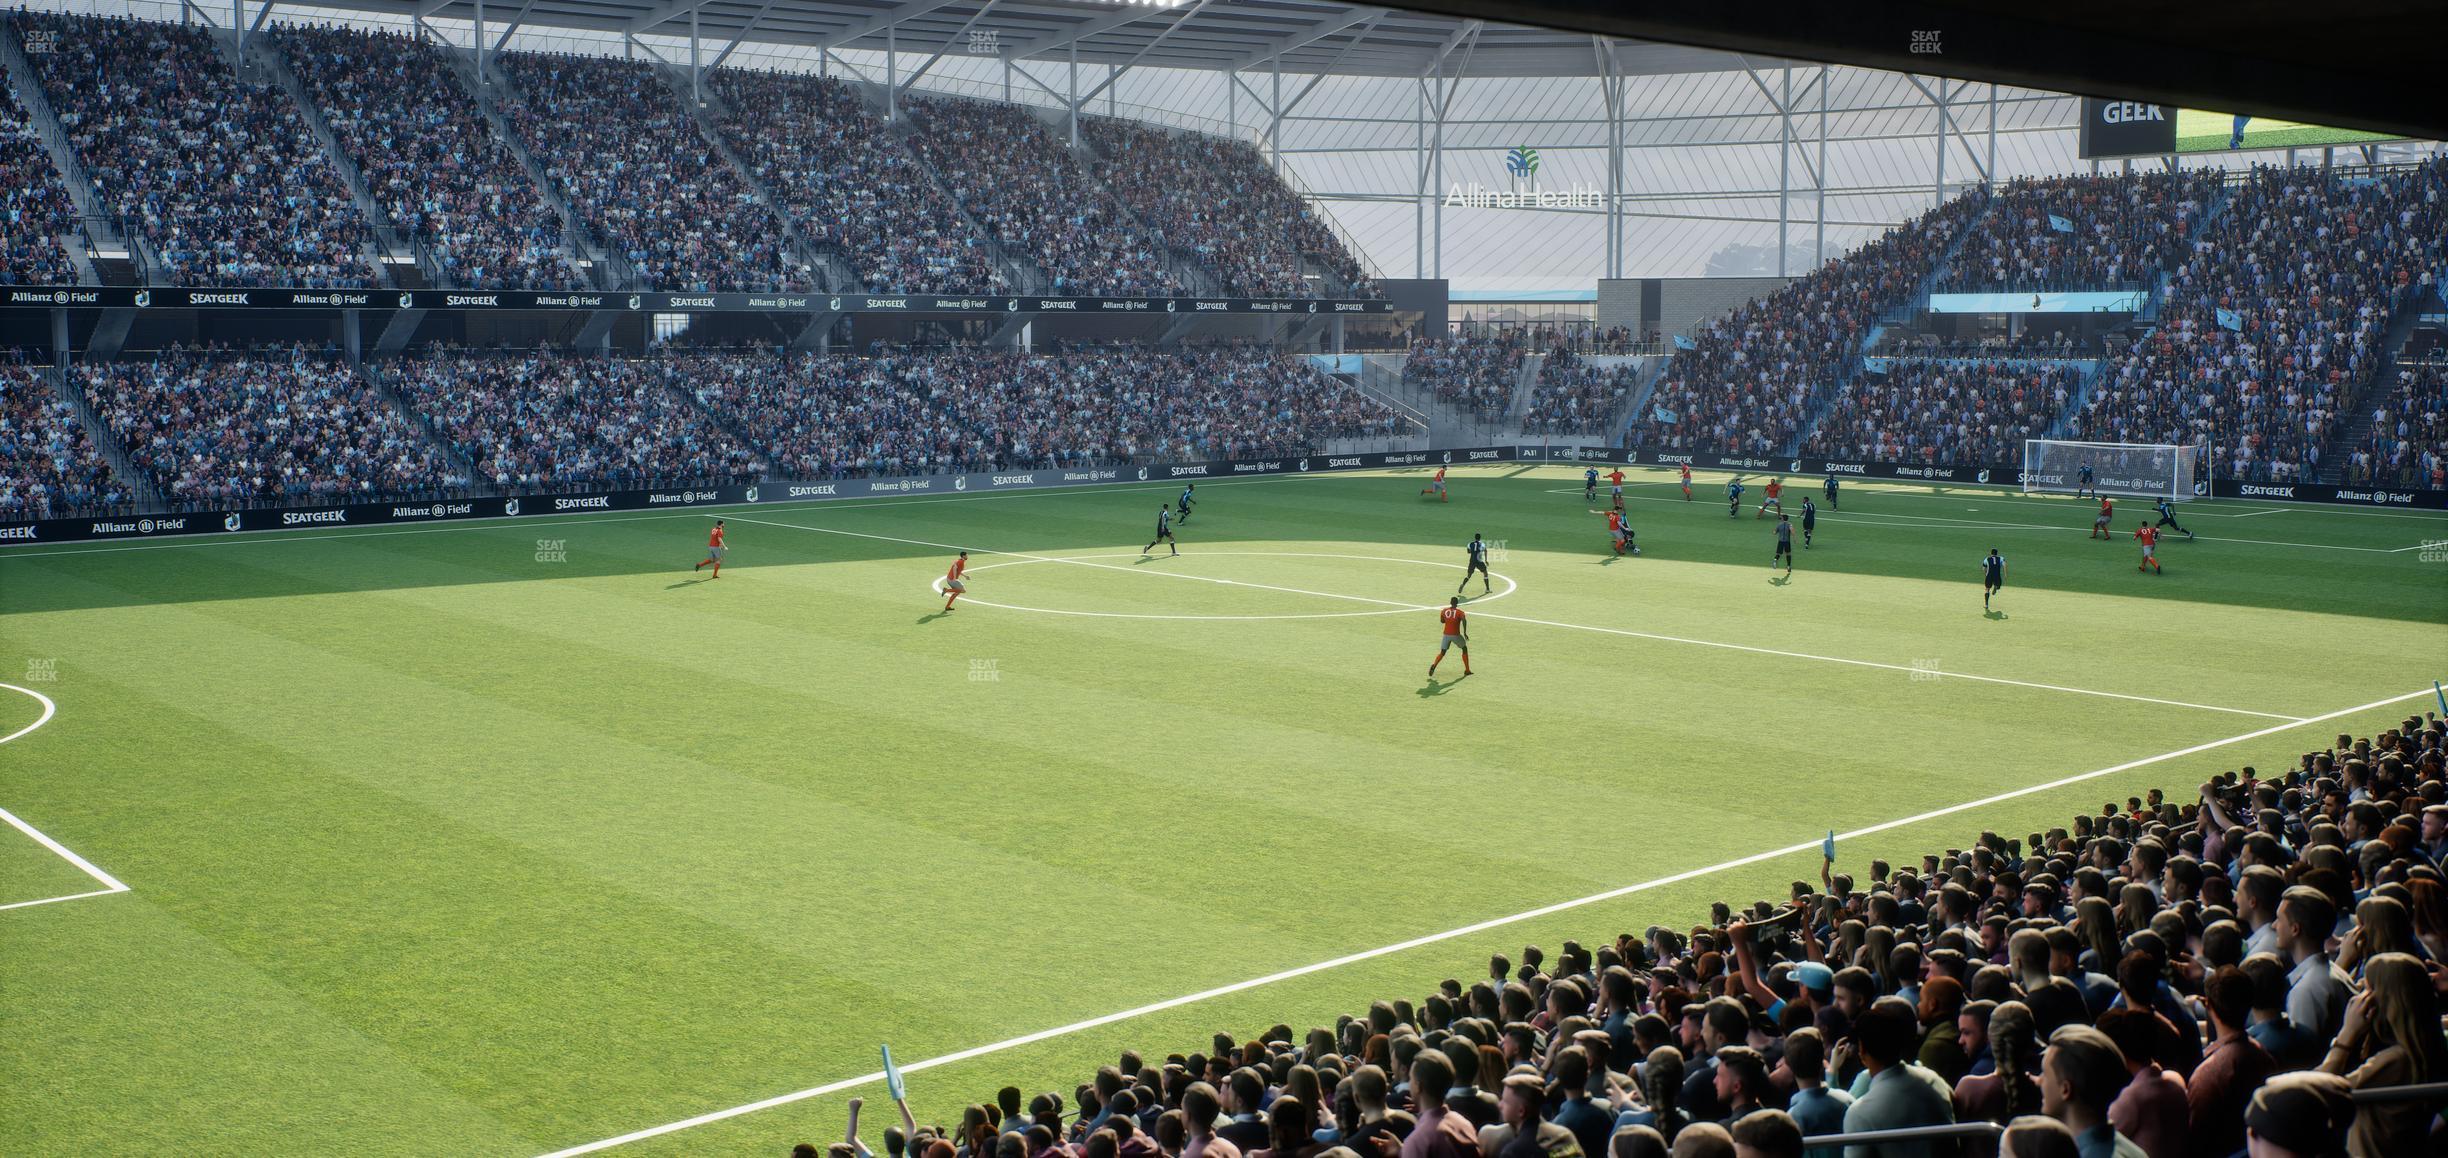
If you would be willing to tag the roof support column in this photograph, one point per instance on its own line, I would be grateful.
(483, 71)
(1993, 115)
(1785, 143)
(696, 61)
(238, 29)
(1275, 122)
(1436, 157)
(1073, 100)
(1419, 181)
(1938, 191)
(892, 76)
(1819, 247)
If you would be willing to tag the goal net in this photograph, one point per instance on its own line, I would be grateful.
(2117, 468)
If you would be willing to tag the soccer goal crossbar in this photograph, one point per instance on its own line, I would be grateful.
(2153, 470)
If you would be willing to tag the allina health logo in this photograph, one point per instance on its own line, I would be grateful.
(1522, 165)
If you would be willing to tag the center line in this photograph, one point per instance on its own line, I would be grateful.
(1541, 622)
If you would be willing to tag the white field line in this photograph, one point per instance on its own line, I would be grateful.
(937, 586)
(494, 522)
(110, 884)
(1937, 522)
(1450, 934)
(1924, 672)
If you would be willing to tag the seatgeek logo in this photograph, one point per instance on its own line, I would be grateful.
(28, 532)
(595, 503)
(300, 518)
(819, 490)
(2251, 491)
(1183, 471)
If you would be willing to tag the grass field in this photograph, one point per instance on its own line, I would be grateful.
(506, 837)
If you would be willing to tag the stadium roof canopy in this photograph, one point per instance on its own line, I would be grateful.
(2353, 63)
(1761, 155)
(1299, 36)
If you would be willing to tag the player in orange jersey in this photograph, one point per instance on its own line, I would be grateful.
(714, 551)
(1457, 634)
(1436, 486)
(2150, 548)
(1775, 497)
(953, 587)
(1616, 477)
(2099, 524)
(1686, 482)
(1617, 531)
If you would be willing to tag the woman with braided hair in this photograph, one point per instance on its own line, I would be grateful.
(2012, 1089)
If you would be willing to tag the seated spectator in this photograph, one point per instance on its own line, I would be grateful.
(428, 157)
(35, 213)
(49, 465)
(220, 174)
(2391, 1036)
(628, 155)
(220, 427)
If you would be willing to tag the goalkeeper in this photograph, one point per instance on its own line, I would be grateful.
(2167, 518)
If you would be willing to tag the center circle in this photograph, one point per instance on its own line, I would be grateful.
(1509, 587)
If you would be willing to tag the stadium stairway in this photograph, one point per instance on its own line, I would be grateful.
(271, 59)
(107, 256)
(591, 262)
(1023, 275)
(1636, 401)
(2356, 429)
(1825, 398)
(375, 375)
(2081, 397)
(1381, 375)
(1525, 386)
(148, 497)
(831, 274)
(1186, 268)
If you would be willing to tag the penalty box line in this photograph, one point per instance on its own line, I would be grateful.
(1451, 934)
(110, 884)
(1923, 672)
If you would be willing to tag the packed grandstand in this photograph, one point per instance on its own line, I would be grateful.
(2155, 977)
(2278, 292)
(2253, 964)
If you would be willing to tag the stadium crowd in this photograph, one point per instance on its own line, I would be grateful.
(835, 169)
(49, 466)
(920, 413)
(2107, 231)
(1477, 373)
(1746, 383)
(220, 174)
(2276, 314)
(543, 419)
(429, 158)
(2408, 442)
(1217, 200)
(1572, 396)
(34, 209)
(1028, 193)
(2216, 974)
(1943, 411)
(627, 152)
(282, 425)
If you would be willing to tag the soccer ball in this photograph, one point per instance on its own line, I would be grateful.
(1636, 550)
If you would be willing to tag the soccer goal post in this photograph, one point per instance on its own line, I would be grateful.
(2151, 470)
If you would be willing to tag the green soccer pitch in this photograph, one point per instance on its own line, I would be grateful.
(509, 837)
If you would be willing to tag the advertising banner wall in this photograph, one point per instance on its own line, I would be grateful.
(584, 502)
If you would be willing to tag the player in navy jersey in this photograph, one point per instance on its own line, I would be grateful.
(1164, 531)
(1477, 550)
(1993, 576)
